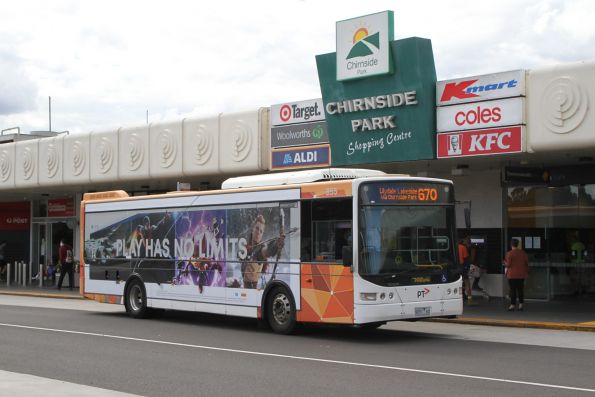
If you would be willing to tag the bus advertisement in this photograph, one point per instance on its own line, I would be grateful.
(280, 250)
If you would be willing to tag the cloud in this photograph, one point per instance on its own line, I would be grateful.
(105, 63)
(18, 93)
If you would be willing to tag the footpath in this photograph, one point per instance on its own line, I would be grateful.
(570, 315)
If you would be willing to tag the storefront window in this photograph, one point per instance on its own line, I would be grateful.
(556, 226)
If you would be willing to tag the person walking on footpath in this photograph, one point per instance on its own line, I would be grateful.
(517, 270)
(66, 260)
(464, 265)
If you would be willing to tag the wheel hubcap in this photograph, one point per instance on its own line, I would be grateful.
(281, 309)
(136, 298)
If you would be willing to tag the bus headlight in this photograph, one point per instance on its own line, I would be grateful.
(448, 291)
(367, 296)
(382, 296)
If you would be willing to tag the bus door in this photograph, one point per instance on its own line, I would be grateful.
(326, 278)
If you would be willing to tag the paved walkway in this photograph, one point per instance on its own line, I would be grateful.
(572, 315)
(24, 385)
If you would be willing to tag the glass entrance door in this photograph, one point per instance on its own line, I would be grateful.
(556, 226)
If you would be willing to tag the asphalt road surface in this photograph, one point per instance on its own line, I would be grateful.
(76, 346)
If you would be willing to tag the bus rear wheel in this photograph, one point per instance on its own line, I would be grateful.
(281, 311)
(135, 300)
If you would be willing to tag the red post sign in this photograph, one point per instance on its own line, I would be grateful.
(60, 207)
(15, 216)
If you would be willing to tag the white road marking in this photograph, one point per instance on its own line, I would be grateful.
(320, 360)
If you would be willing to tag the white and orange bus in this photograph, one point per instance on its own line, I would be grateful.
(345, 246)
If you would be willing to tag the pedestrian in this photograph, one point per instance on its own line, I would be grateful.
(66, 261)
(517, 270)
(465, 264)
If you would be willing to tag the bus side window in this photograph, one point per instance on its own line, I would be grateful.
(306, 232)
(330, 228)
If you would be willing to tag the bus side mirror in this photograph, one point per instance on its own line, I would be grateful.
(347, 254)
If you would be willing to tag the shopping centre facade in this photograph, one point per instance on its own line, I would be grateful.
(517, 144)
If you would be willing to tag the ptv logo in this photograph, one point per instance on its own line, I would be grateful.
(466, 89)
(423, 292)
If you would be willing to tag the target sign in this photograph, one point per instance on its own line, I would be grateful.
(285, 113)
(297, 112)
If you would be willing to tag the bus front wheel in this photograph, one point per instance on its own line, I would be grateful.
(281, 311)
(135, 299)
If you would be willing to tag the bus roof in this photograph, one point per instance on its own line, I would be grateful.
(295, 177)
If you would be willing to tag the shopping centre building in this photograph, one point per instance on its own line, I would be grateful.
(517, 144)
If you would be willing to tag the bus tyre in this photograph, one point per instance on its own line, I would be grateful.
(281, 311)
(371, 326)
(135, 299)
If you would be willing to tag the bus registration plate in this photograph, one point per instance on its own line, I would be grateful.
(422, 311)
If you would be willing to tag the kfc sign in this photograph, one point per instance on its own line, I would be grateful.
(480, 115)
(480, 142)
(481, 88)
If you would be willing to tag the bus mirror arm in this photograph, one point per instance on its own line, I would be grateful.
(347, 254)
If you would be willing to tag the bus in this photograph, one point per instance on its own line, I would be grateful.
(342, 246)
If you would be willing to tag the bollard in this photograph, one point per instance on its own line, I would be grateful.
(30, 279)
(7, 274)
(24, 274)
(17, 273)
(40, 275)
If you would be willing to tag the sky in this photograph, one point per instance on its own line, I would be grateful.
(107, 63)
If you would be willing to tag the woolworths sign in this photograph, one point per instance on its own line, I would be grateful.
(382, 118)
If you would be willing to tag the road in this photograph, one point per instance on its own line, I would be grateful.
(185, 354)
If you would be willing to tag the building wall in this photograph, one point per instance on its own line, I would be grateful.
(484, 191)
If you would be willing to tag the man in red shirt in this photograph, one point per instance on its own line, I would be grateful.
(465, 264)
(517, 270)
(66, 260)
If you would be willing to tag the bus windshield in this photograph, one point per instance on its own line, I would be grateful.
(407, 244)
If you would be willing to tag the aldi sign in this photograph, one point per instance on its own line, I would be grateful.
(481, 88)
(301, 126)
(363, 46)
(301, 157)
(480, 142)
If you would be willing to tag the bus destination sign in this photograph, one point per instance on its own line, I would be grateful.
(395, 193)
